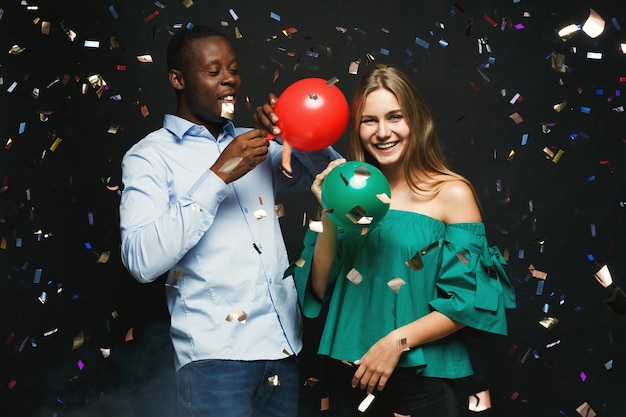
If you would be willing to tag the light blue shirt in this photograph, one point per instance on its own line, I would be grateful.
(220, 244)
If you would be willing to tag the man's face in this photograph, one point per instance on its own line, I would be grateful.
(210, 79)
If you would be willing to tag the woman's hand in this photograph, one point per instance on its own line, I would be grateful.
(377, 365)
(316, 187)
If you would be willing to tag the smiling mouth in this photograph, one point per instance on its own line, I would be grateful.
(385, 146)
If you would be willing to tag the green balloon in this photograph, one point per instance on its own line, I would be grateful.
(355, 195)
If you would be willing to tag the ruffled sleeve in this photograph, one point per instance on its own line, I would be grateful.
(473, 285)
(309, 301)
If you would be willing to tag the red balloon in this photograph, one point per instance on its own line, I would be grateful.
(312, 115)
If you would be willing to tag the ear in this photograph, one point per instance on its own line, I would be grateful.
(177, 79)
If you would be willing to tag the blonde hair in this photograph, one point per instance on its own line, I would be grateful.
(423, 158)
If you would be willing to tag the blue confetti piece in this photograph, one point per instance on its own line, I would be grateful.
(422, 42)
(88, 245)
(614, 21)
(443, 43)
(585, 110)
(189, 25)
(113, 12)
(590, 257)
(275, 16)
(524, 139)
(384, 51)
(540, 285)
(22, 127)
(37, 276)
(599, 92)
(491, 60)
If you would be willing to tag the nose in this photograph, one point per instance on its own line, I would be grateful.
(383, 131)
(228, 77)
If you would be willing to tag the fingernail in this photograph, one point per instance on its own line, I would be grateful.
(276, 131)
(273, 118)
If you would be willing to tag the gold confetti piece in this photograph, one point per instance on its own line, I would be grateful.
(237, 315)
(144, 111)
(260, 214)
(228, 110)
(603, 276)
(332, 81)
(403, 345)
(548, 322)
(585, 410)
(16, 50)
(568, 31)
(560, 106)
(56, 144)
(353, 68)
(558, 62)
(104, 257)
(324, 404)
(279, 210)
(230, 165)
(187, 3)
(273, 381)
(594, 26)
(354, 276)
(549, 153)
(395, 284)
(299, 262)
(129, 335)
(536, 273)
(384, 198)
(45, 28)
(415, 263)
(113, 43)
(3, 243)
(516, 118)
(113, 129)
(145, 58)
(367, 401)
(95, 80)
(369, 58)
(78, 341)
(558, 156)
(462, 258)
(276, 74)
(178, 275)
(480, 401)
(238, 34)
(316, 226)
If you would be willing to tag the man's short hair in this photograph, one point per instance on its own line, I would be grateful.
(179, 54)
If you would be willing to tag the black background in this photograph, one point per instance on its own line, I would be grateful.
(56, 192)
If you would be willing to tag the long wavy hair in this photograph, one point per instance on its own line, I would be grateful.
(423, 158)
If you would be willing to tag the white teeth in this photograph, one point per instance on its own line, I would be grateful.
(386, 145)
(228, 98)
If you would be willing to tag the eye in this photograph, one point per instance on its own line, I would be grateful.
(396, 116)
(234, 70)
(367, 120)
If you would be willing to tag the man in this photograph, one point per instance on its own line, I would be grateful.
(198, 203)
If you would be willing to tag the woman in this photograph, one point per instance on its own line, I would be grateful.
(426, 269)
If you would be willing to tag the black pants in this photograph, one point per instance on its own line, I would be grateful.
(406, 394)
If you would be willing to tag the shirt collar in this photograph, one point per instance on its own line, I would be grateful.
(180, 127)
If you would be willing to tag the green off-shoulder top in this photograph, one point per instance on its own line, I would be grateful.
(400, 270)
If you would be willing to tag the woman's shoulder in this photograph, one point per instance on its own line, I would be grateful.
(457, 201)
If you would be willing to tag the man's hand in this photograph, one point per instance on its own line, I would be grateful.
(242, 155)
(265, 118)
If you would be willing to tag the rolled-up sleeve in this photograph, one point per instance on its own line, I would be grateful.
(473, 286)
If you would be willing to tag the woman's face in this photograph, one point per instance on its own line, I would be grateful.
(383, 129)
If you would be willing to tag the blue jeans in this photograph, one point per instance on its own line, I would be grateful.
(226, 388)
